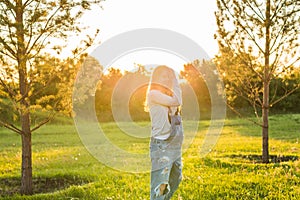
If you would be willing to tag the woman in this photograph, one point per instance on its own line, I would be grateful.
(163, 101)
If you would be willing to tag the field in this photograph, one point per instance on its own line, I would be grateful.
(64, 169)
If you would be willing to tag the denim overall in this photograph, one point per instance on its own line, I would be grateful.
(166, 161)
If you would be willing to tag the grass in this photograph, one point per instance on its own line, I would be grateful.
(64, 169)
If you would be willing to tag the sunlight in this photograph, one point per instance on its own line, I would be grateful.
(149, 59)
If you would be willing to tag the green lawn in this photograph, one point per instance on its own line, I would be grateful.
(63, 168)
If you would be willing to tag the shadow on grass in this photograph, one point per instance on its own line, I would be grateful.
(11, 186)
(272, 158)
(237, 161)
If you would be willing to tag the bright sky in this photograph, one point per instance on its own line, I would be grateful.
(192, 18)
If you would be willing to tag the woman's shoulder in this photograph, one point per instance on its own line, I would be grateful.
(151, 92)
(154, 93)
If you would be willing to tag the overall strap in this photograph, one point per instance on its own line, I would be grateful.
(178, 112)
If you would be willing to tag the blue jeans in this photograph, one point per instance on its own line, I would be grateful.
(166, 163)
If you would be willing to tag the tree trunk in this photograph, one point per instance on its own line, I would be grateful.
(266, 90)
(265, 127)
(26, 181)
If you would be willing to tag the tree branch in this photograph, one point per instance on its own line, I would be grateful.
(6, 46)
(285, 95)
(278, 55)
(11, 127)
(6, 54)
(30, 26)
(7, 88)
(243, 117)
(43, 31)
(9, 25)
(275, 92)
(260, 14)
(27, 3)
(251, 67)
(252, 38)
(277, 9)
(43, 87)
(45, 121)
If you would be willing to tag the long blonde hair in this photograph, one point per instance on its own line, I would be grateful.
(155, 84)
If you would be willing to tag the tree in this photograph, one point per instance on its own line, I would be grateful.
(104, 94)
(28, 29)
(292, 102)
(264, 37)
(196, 80)
(85, 88)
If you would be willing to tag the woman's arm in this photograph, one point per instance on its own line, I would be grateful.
(158, 97)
